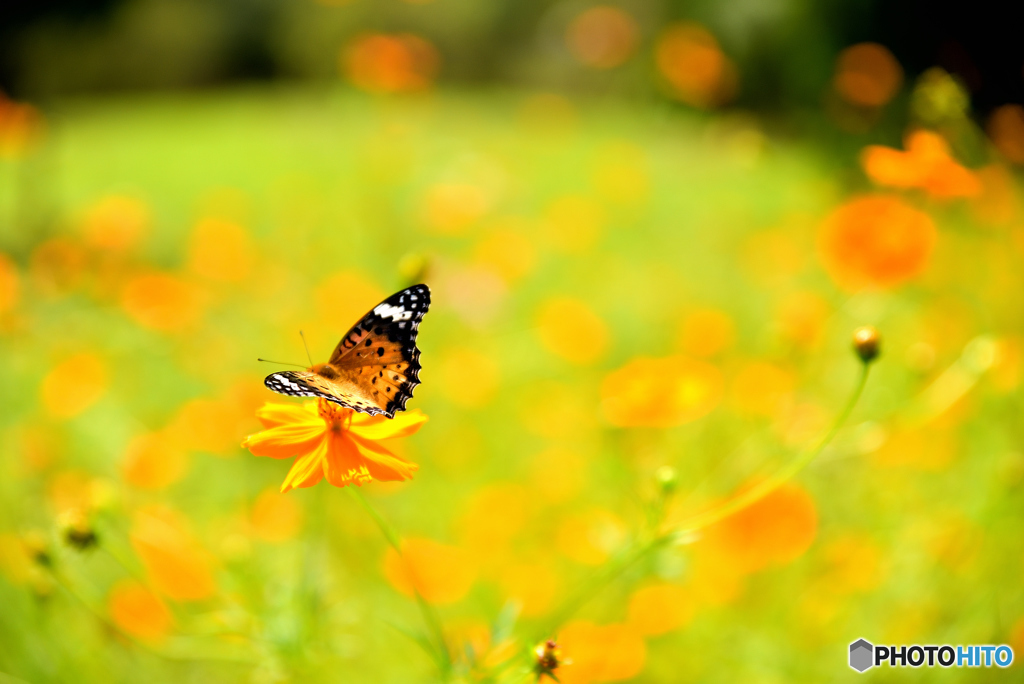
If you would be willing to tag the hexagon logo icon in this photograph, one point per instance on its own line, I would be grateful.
(861, 652)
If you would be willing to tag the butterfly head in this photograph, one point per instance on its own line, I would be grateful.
(324, 370)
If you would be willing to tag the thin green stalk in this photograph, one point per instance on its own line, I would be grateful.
(784, 474)
(430, 617)
(707, 518)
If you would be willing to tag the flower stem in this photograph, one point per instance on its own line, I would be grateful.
(439, 644)
(703, 520)
(782, 476)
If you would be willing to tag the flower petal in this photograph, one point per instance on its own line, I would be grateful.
(343, 464)
(272, 415)
(380, 427)
(307, 470)
(285, 441)
(381, 463)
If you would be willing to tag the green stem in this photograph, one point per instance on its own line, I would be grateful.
(430, 616)
(707, 518)
(784, 474)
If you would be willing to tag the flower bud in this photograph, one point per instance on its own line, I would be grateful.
(76, 529)
(867, 343)
(667, 479)
(37, 548)
(549, 658)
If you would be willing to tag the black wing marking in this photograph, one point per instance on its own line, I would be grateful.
(397, 318)
(383, 342)
(307, 384)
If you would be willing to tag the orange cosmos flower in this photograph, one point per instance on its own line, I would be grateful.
(690, 59)
(382, 63)
(876, 240)
(926, 164)
(332, 441)
(602, 37)
(660, 392)
(867, 75)
(442, 574)
(774, 531)
(138, 611)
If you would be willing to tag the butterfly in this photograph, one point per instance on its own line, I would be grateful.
(375, 367)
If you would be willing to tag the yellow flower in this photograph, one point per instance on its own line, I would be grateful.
(333, 442)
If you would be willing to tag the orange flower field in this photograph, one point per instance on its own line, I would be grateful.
(635, 377)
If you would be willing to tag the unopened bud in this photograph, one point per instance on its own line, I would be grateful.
(76, 529)
(867, 343)
(667, 479)
(549, 658)
(37, 548)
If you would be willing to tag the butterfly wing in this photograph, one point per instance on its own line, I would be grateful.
(309, 384)
(376, 366)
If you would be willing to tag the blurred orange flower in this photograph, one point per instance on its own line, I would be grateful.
(802, 316)
(600, 653)
(490, 535)
(660, 392)
(138, 611)
(221, 250)
(115, 223)
(507, 249)
(1006, 128)
(361, 293)
(9, 284)
(179, 567)
(75, 384)
(602, 37)
(451, 208)
(58, 265)
(761, 388)
(926, 164)
(706, 332)
(534, 584)
(689, 58)
(660, 608)
(876, 240)
(867, 75)
(440, 573)
(334, 442)
(930, 448)
(150, 463)
(773, 531)
(570, 329)
(209, 425)
(998, 202)
(21, 126)
(381, 63)
(161, 301)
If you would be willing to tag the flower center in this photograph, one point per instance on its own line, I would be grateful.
(336, 417)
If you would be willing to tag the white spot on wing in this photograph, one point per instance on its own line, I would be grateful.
(395, 313)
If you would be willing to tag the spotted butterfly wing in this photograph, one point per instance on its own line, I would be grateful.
(375, 367)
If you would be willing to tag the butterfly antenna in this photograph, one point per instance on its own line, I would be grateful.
(282, 363)
(304, 344)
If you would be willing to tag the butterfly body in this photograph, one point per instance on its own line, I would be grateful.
(375, 367)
